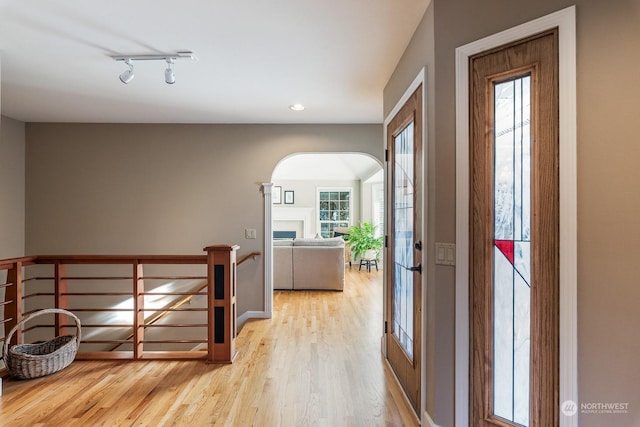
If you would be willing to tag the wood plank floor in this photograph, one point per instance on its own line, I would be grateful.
(316, 363)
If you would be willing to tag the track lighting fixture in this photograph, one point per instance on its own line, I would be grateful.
(127, 75)
(169, 76)
(169, 58)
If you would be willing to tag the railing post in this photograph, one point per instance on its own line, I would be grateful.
(221, 303)
(138, 310)
(13, 310)
(61, 300)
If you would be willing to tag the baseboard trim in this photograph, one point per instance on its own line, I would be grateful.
(250, 315)
(427, 421)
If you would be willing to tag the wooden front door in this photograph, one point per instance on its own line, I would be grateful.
(403, 269)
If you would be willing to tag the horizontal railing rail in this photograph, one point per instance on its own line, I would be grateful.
(104, 300)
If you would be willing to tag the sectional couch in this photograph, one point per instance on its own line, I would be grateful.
(308, 264)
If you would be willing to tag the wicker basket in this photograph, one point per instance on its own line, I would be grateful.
(25, 361)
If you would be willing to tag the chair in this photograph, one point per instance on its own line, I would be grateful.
(344, 233)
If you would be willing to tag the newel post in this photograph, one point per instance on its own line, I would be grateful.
(221, 303)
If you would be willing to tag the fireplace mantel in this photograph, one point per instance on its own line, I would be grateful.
(294, 214)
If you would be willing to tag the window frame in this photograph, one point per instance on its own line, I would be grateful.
(378, 187)
(341, 189)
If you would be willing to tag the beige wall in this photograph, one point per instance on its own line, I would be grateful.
(608, 43)
(149, 189)
(12, 188)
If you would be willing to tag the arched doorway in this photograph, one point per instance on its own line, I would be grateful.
(292, 199)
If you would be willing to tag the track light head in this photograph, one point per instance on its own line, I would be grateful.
(127, 75)
(169, 76)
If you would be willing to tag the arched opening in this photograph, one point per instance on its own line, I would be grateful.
(312, 193)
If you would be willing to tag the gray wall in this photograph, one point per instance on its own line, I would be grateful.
(12, 193)
(440, 317)
(608, 56)
(165, 189)
(12, 188)
(366, 197)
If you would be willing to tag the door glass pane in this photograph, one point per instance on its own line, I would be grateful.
(512, 242)
(403, 183)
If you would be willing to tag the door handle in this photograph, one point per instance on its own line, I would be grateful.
(418, 245)
(417, 268)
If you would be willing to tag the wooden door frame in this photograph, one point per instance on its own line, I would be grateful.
(564, 20)
(420, 79)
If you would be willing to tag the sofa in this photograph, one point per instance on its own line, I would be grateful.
(308, 264)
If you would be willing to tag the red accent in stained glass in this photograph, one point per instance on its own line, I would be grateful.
(506, 247)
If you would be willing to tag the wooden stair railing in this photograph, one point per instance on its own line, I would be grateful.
(252, 255)
(173, 305)
(220, 286)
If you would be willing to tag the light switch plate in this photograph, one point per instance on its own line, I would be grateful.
(249, 233)
(445, 253)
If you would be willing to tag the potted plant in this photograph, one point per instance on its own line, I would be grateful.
(362, 238)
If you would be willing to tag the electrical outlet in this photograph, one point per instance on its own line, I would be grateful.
(249, 233)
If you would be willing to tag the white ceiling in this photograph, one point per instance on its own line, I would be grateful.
(255, 58)
(328, 166)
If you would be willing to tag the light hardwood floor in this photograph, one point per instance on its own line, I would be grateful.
(316, 363)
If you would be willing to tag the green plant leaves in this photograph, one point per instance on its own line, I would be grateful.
(363, 237)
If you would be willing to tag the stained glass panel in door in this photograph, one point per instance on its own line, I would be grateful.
(403, 186)
(512, 243)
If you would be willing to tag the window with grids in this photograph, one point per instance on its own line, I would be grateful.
(334, 210)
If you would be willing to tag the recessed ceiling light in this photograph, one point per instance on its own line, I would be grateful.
(296, 107)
